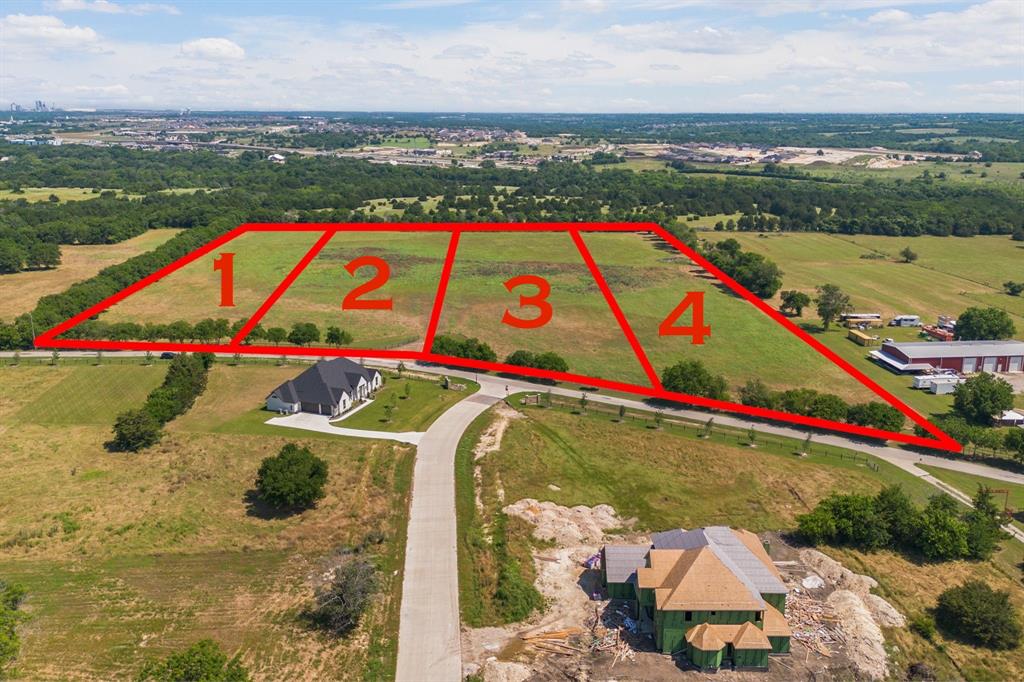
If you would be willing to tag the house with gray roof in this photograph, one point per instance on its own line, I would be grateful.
(330, 387)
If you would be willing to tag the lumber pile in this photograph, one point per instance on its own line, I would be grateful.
(554, 641)
(813, 622)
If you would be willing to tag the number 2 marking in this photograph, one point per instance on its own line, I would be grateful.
(537, 300)
(696, 330)
(353, 300)
(225, 264)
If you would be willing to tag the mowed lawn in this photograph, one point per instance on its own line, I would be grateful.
(23, 289)
(951, 273)
(130, 556)
(416, 410)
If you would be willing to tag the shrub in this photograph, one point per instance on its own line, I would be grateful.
(11, 597)
(471, 349)
(692, 378)
(924, 625)
(942, 535)
(976, 613)
(341, 603)
(201, 662)
(135, 430)
(295, 477)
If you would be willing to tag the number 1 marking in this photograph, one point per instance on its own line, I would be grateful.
(225, 264)
(696, 330)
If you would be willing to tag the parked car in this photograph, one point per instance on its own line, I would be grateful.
(167, 355)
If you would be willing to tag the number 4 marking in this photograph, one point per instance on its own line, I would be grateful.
(697, 330)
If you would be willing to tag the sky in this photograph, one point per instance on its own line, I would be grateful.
(535, 56)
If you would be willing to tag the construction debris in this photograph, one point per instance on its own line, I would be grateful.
(814, 622)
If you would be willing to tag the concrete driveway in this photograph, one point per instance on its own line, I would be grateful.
(320, 424)
(429, 646)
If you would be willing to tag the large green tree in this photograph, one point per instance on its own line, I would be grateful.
(978, 614)
(293, 478)
(981, 397)
(693, 378)
(832, 303)
(980, 324)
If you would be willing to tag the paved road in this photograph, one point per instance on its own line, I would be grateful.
(429, 647)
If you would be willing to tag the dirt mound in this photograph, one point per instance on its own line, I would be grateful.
(490, 439)
(836, 574)
(506, 671)
(884, 613)
(865, 644)
(564, 525)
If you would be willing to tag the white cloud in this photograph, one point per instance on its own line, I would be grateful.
(105, 90)
(107, 7)
(422, 4)
(462, 51)
(45, 31)
(216, 49)
(890, 16)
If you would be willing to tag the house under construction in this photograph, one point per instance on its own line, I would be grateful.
(711, 593)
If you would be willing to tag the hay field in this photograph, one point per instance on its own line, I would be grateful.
(23, 289)
(127, 557)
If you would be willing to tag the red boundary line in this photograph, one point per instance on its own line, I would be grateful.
(48, 336)
(442, 290)
(251, 323)
(941, 441)
(609, 297)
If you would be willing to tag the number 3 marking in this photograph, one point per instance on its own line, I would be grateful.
(538, 300)
(697, 330)
(352, 300)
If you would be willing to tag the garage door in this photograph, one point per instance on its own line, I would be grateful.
(990, 365)
(970, 365)
(1016, 364)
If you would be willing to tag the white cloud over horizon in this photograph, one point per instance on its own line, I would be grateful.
(663, 55)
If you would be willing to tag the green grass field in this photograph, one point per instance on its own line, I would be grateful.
(33, 194)
(950, 274)
(127, 557)
(668, 478)
(1012, 499)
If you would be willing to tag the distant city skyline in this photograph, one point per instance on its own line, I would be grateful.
(626, 56)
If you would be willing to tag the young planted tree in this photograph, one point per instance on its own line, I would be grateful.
(976, 613)
(408, 390)
(622, 412)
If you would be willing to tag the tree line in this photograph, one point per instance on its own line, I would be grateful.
(939, 531)
(185, 381)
